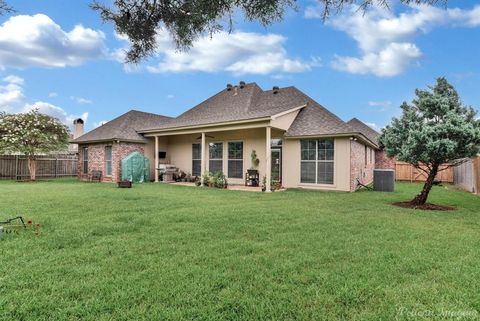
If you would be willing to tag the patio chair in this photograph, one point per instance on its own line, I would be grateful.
(96, 176)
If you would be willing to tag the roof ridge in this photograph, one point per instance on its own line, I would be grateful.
(146, 112)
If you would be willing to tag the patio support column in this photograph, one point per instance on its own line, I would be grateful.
(156, 160)
(268, 156)
(203, 158)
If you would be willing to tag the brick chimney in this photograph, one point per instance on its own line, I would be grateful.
(78, 128)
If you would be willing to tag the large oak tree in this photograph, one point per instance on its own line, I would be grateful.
(186, 20)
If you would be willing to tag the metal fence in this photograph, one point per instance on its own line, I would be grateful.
(16, 166)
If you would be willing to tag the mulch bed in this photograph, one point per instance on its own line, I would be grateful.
(425, 207)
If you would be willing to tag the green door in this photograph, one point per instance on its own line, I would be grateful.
(276, 164)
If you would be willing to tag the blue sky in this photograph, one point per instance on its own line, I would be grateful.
(57, 55)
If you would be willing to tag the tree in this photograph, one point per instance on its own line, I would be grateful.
(186, 20)
(32, 134)
(436, 128)
(4, 7)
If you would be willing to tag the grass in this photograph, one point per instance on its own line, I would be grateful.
(158, 252)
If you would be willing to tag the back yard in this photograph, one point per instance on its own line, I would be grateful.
(159, 252)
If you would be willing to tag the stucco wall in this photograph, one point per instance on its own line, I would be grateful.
(292, 162)
(361, 167)
(179, 149)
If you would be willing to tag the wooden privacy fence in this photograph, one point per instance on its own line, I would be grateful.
(406, 172)
(16, 166)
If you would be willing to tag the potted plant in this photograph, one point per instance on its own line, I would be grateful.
(264, 184)
(206, 178)
(254, 159)
(198, 181)
(220, 180)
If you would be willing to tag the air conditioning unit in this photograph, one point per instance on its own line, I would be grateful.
(383, 180)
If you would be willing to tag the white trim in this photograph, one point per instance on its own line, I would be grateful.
(363, 138)
(288, 111)
(316, 161)
(233, 122)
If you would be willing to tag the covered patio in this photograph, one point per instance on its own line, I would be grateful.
(226, 148)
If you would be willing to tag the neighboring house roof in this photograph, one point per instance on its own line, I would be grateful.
(124, 128)
(236, 104)
(364, 129)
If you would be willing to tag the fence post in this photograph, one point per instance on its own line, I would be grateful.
(56, 166)
(16, 167)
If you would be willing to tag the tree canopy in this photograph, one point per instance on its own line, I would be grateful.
(186, 20)
(4, 7)
(436, 128)
(31, 134)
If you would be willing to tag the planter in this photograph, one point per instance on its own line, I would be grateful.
(124, 184)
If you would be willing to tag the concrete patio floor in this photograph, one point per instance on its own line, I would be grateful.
(230, 187)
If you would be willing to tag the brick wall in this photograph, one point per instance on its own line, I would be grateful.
(358, 167)
(382, 161)
(96, 159)
(120, 151)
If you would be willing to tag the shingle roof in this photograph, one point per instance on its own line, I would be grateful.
(364, 129)
(237, 104)
(249, 102)
(317, 120)
(124, 128)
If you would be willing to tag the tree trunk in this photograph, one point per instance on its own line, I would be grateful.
(32, 167)
(421, 198)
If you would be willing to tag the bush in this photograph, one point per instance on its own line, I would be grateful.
(219, 180)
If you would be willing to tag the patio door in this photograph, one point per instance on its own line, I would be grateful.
(276, 164)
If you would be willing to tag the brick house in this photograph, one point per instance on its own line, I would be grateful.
(297, 141)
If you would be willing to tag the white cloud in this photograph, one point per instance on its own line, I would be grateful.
(27, 41)
(238, 53)
(386, 40)
(12, 100)
(381, 103)
(390, 61)
(11, 92)
(52, 94)
(170, 96)
(55, 111)
(14, 80)
(82, 101)
(100, 123)
(375, 126)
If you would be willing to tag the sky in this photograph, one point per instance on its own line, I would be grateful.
(58, 56)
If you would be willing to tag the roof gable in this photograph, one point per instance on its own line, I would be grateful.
(236, 104)
(365, 130)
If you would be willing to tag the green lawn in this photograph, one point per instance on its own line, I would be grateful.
(160, 252)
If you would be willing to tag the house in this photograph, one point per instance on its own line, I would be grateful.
(297, 141)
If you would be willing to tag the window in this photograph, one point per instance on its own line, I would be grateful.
(215, 153)
(235, 159)
(85, 160)
(366, 149)
(196, 159)
(317, 164)
(276, 142)
(108, 160)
